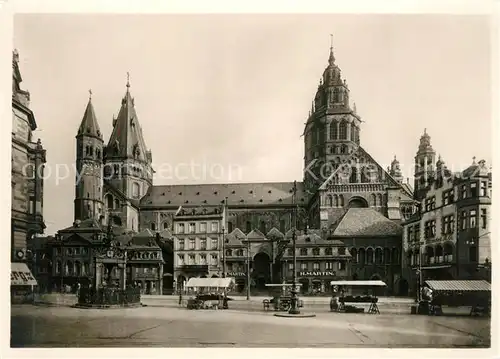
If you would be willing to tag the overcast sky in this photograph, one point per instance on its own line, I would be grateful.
(234, 91)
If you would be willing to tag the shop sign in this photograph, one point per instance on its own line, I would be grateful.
(318, 274)
(235, 274)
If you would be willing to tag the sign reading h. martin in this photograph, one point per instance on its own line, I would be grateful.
(317, 274)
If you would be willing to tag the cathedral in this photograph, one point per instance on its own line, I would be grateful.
(345, 197)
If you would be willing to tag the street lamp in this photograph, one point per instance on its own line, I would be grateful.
(294, 308)
(248, 269)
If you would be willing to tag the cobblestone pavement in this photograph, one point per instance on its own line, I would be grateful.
(36, 326)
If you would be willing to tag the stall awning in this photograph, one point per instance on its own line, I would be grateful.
(209, 282)
(21, 275)
(358, 283)
(459, 285)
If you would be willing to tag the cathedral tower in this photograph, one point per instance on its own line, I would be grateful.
(127, 160)
(332, 131)
(424, 166)
(89, 157)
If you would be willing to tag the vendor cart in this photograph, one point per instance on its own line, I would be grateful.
(456, 293)
(281, 299)
(208, 293)
(343, 295)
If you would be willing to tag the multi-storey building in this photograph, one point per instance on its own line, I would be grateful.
(74, 250)
(28, 159)
(449, 235)
(198, 233)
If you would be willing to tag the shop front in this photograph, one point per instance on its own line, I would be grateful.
(316, 282)
(240, 279)
(22, 283)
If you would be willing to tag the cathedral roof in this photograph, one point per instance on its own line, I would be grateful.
(238, 194)
(126, 140)
(366, 222)
(89, 125)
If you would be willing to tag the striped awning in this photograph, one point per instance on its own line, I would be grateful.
(21, 275)
(359, 283)
(459, 285)
(209, 282)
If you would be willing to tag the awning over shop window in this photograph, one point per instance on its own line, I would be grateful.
(21, 275)
(459, 285)
(209, 282)
(363, 283)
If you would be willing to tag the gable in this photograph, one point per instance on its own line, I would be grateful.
(367, 165)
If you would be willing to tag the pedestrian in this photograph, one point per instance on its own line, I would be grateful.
(180, 298)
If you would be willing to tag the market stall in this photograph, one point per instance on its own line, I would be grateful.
(208, 293)
(456, 293)
(344, 290)
(281, 297)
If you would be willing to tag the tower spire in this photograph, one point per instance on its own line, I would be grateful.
(90, 94)
(331, 59)
(128, 80)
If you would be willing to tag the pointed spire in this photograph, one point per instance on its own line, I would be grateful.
(474, 160)
(331, 59)
(89, 125)
(126, 140)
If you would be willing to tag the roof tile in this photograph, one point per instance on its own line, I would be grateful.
(366, 222)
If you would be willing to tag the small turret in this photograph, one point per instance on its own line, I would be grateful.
(395, 170)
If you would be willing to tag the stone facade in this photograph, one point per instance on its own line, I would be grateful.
(198, 243)
(449, 235)
(28, 159)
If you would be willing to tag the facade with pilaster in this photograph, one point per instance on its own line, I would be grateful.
(449, 235)
(28, 160)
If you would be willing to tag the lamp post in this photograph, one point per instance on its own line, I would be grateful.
(294, 309)
(248, 269)
(224, 239)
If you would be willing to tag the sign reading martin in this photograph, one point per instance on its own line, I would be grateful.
(318, 274)
(235, 274)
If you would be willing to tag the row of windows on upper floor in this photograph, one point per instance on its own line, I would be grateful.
(316, 266)
(335, 130)
(466, 190)
(196, 227)
(376, 200)
(200, 259)
(71, 251)
(332, 150)
(201, 244)
(360, 256)
(201, 227)
(438, 255)
(467, 220)
(328, 251)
